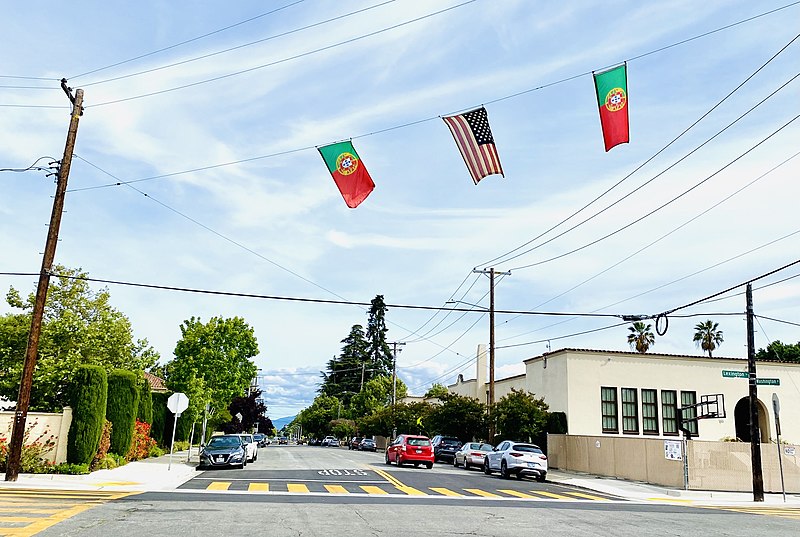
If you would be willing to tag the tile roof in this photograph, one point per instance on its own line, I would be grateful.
(156, 383)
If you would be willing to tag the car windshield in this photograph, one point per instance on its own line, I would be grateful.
(419, 442)
(486, 447)
(247, 438)
(471, 445)
(224, 441)
(368, 441)
(526, 448)
(451, 441)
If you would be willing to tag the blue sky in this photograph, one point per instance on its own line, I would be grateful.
(278, 226)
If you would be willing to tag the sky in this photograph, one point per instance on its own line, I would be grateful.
(196, 167)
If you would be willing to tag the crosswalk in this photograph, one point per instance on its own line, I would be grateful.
(386, 489)
(27, 512)
(792, 513)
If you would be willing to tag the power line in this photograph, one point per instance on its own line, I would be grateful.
(186, 41)
(663, 205)
(284, 60)
(34, 167)
(564, 337)
(244, 45)
(776, 320)
(504, 257)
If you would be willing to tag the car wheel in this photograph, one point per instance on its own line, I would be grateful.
(486, 469)
(398, 461)
(518, 475)
(386, 459)
(455, 462)
(416, 465)
(504, 470)
(428, 465)
(541, 478)
(466, 463)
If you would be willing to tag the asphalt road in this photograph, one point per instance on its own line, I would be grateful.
(315, 491)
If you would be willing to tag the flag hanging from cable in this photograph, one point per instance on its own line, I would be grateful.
(348, 172)
(474, 139)
(612, 100)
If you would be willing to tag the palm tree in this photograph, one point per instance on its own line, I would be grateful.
(641, 337)
(707, 336)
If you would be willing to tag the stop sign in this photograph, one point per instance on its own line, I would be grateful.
(177, 403)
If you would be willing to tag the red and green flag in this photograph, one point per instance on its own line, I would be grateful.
(612, 99)
(349, 173)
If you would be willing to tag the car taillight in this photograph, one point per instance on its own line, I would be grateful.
(543, 457)
(516, 454)
(476, 454)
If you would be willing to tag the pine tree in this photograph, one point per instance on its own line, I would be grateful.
(379, 353)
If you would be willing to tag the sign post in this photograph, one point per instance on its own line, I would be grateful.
(177, 403)
(776, 406)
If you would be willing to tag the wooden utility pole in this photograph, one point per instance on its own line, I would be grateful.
(755, 434)
(31, 352)
(491, 272)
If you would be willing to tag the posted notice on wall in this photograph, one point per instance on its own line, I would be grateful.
(673, 450)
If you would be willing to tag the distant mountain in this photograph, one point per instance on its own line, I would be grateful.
(281, 422)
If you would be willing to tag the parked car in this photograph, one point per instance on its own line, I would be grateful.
(330, 441)
(471, 454)
(516, 458)
(261, 439)
(367, 444)
(223, 451)
(251, 446)
(410, 448)
(354, 442)
(283, 440)
(444, 447)
(313, 442)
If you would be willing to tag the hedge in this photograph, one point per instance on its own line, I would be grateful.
(159, 424)
(123, 399)
(144, 411)
(88, 395)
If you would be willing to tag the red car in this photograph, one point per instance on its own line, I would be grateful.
(410, 448)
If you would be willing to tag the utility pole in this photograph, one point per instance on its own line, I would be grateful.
(363, 370)
(394, 383)
(491, 272)
(31, 352)
(755, 435)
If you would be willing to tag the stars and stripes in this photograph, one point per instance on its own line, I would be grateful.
(474, 139)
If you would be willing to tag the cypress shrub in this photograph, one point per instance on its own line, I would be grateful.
(159, 424)
(123, 398)
(88, 393)
(144, 411)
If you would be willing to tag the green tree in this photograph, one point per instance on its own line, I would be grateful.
(459, 416)
(89, 392)
(641, 337)
(121, 406)
(144, 411)
(410, 418)
(437, 391)
(316, 419)
(378, 351)
(344, 372)
(520, 415)
(779, 352)
(707, 336)
(212, 362)
(377, 394)
(79, 327)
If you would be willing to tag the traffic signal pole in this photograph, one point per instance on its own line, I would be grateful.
(31, 351)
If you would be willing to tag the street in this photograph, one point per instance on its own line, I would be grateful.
(304, 490)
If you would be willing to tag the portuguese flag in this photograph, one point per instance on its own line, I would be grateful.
(612, 99)
(349, 173)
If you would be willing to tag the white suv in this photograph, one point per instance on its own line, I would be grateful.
(516, 458)
(330, 441)
(250, 446)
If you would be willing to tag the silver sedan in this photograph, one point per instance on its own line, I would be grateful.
(471, 454)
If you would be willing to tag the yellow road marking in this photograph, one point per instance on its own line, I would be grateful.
(117, 483)
(19, 519)
(23, 509)
(389, 477)
(671, 500)
(411, 491)
(370, 489)
(479, 492)
(219, 485)
(446, 492)
(336, 489)
(258, 487)
(551, 495)
(296, 487)
(587, 496)
(516, 493)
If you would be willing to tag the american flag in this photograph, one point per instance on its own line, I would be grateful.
(474, 139)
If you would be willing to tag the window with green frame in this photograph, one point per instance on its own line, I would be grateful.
(690, 414)
(649, 411)
(669, 412)
(608, 406)
(630, 411)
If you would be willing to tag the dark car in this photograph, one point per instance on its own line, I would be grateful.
(223, 451)
(367, 444)
(445, 447)
(354, 442)
(261, 439)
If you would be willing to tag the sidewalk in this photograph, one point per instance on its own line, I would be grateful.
(637, 491)
(145, 475)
